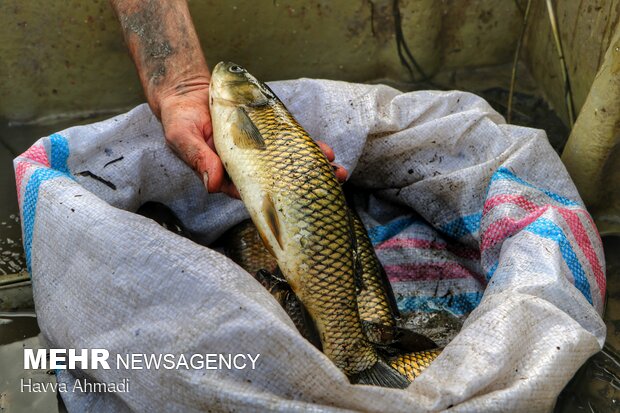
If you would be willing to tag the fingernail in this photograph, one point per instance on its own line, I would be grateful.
(205, 180)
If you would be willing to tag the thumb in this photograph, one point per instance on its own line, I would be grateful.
(213, 170)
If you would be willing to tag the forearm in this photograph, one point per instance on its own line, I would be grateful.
(164, 46)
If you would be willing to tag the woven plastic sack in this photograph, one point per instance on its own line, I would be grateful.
(468, 215)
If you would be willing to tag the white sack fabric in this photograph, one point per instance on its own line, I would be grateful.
(468, 214)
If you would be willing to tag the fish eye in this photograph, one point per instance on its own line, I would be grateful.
(236, 69)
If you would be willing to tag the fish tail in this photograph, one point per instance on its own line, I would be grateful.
(381, 374)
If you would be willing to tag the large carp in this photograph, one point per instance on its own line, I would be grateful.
(294, 199)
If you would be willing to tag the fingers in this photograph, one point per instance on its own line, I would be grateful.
(191, 147)
(213, 176)
(189, 132)
(341, 172)
(327, 150)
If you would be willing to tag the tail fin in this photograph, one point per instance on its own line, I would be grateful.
(381, 374)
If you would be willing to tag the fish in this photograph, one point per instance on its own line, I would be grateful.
(293, 197)
(243, 245)
(375, 300)
(412, 364)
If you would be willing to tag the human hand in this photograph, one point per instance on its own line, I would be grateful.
(175, 78)
(187, 126)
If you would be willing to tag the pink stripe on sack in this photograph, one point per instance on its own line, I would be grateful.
(458, 250)
(579, 232)
(20, 171)
(35, 153)
(506, 227)
(503, 228)
(430, 271)
(518, 200)
(38, 154)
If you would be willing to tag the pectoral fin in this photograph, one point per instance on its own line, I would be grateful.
(271, 216)
(245, 133)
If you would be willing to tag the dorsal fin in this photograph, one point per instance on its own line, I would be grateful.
(245, 133)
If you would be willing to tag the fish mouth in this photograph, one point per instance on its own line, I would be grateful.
(217, 80)
(221, 66)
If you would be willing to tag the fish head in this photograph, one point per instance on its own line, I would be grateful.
(232, 84)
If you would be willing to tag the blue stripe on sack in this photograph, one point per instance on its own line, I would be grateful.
(547, 229)
(505, 173)
(29, 205)
(492, 271)
(382, 233)
(59, 153)
(460, 304)
(465, 225)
